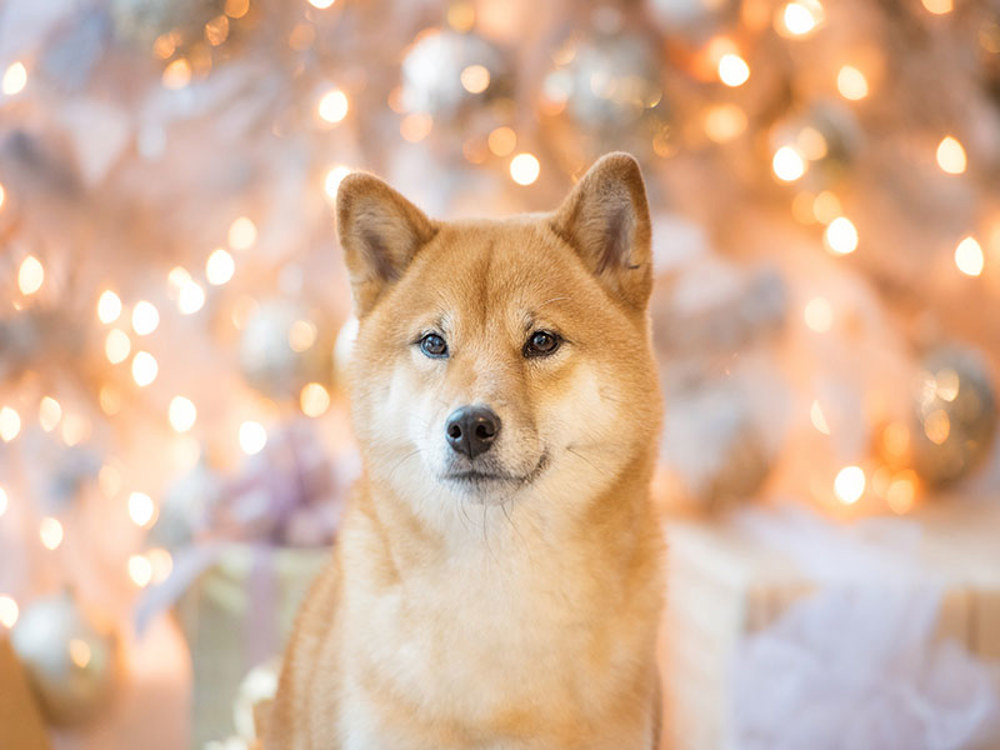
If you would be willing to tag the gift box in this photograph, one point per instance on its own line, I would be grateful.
(784, 630)
(237, 614)
(244, 552)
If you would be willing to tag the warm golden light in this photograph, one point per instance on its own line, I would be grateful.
(10, 423)
(333, 106)
(951, 156)
(177, 74)
(896, 439)
(937, 426)
(161, 563)
(190, 298)
(849, 485)
(217, 30)
(475, 79)
(826, 207)
(733, 70)
(141, 509)
(461, 16)
(182, 414)
(788, 164)
(144, 369)
(145, 318)
(30, 275)
(524, 169)
(800, 18)
(49, 413)
(818, 418)
(314, 400)
(502, 141)
(947, 384)
(109, 307)
(322, 4)
(841, 236)
(902, 493)
(140, 571)
(178, 277)
(110, 399)
(969, 257)
(242, 234)
(851, 83)
(724, 122)
(75, 428)
(15, 78)
(331, 184)
(8, 611)
(79, 653)
(50, 532)
(117, 346)
(220, 267)
(3, 195)
(237, 8)
(253, 437)
(302, 335)
(939, 7)
(819, 315)
(415, 127)
(811, 144)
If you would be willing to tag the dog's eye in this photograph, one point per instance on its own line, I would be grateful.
(434, 346)
(541, 344)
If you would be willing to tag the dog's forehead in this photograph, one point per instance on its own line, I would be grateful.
(509, 260)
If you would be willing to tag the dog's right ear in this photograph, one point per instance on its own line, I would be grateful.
(380, 232)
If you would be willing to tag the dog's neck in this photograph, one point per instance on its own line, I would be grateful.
(533, 527)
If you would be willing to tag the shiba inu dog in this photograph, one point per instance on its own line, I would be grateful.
(497, 579)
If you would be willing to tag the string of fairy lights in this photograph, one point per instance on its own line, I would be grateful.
(129, 324)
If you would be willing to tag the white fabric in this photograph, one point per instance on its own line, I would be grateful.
(856, 666)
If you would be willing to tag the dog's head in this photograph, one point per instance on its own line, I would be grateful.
(495, 358)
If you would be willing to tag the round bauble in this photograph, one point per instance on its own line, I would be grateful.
(955, 414)
(446, 73)
(142, 21)
(71, 663)
(283, 347)
(826, 138)
(606, 89)
(692, 19)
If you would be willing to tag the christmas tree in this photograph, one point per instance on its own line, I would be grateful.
(823, 179)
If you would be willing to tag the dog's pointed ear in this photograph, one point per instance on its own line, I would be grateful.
(606, 220)
(380, 232)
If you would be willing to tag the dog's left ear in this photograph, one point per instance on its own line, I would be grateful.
(606, 220)
(380, 232)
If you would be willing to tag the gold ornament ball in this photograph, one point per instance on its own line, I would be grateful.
(71, 664)
(955, 410)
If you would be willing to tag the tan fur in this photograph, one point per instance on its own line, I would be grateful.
(520, 616)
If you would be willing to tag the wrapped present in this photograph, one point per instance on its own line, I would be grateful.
(244, 551)
(239, 613)
(787, 631)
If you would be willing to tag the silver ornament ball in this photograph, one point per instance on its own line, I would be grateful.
(71, 664)
(955, 414)
(445, 73)
(283, 347)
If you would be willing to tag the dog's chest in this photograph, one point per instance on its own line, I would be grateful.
(484, 637)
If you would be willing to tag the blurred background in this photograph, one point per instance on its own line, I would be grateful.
(824, 182)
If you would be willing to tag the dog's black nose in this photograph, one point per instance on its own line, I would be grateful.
(472, 429)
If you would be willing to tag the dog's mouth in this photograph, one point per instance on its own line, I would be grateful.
(486, 477)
